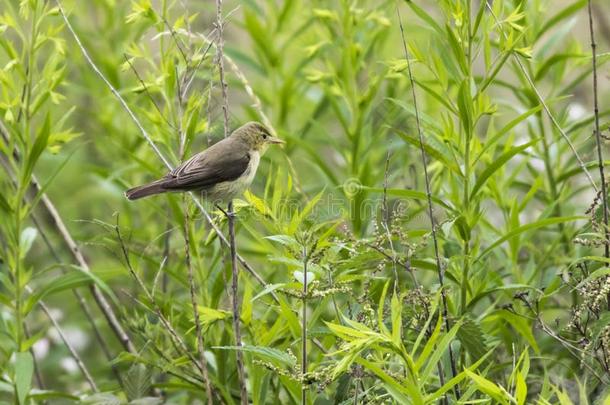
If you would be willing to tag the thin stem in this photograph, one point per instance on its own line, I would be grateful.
(440, 271)
(189, 265)
(221, 64)
(99, 298)
(231, 214)
(179, 344)
(84, 307)
(598, 141)
(236, 310)
(72, 350)
(304, 330)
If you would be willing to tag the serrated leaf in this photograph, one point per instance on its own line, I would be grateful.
(473, 338)
(137, 381)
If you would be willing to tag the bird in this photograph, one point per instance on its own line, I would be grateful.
(221, 172)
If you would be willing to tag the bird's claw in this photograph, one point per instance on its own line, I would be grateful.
(230, 214)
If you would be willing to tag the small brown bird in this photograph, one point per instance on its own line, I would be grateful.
(221, 172)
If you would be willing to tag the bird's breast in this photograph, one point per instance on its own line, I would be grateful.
(227, 190)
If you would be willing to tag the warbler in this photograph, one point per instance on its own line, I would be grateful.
(221, 172)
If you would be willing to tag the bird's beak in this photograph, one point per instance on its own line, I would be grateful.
(273, 139)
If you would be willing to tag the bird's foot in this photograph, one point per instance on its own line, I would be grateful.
(229, 214)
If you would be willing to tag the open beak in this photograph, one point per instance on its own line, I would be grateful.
(273, 139)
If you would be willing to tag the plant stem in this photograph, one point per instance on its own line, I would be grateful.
(235, 302)
(304, 330)
(598, 141)
(440, 272)
(231, 214)
(189, 265)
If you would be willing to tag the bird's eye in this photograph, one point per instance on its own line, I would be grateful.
(264, 136)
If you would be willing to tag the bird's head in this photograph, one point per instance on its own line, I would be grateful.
(256, 136)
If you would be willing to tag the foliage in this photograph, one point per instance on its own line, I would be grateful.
(340, 296)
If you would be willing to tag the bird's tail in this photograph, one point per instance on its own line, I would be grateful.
(156, 187)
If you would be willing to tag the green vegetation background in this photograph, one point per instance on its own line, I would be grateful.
(520, 227)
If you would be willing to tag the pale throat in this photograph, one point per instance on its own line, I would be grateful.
(250, 171)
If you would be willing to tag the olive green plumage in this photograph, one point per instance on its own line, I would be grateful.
(221, 172)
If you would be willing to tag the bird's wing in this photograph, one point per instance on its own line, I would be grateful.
(223, 161)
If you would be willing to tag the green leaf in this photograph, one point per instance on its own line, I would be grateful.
(505, 129)
(522, 326)
(380, 323)
(298, 218)
(137, 381)
(497, 164)
(520, 389)
(524, 228)
(24, 370)
(268, 289)
(488, 387)
(443, 345)
(396, 320)
(266, 353)
(435, 153)
(28, 236)
(465, 107)
(209, 315)
(39, 146)
(4, 205)
(405, 193)
(563, 14)
(473, 339)
(430, 21)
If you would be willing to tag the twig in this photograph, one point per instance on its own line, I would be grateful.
(178, 342)
(110, 86)
(100, 299)
(440, 271)
(145, 87)
(189, 265)
(565, 136)
(176, 40)
(71, 349)
(241, 375)
(304, 330)
(221, 66)
(385, 215)
(598, 141)
(84, 307)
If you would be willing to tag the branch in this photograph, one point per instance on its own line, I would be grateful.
(598, 141)
(64, 339)
(439, 268)
(189, 265)
(241, 374)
